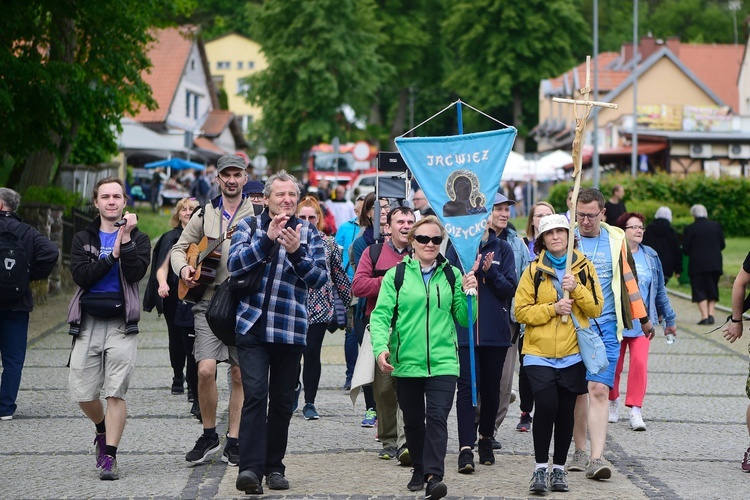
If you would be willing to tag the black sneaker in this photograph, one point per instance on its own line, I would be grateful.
(538, 481)
(435, 488)
(524, 424)
(465, 462)
(203, 448)
(231, 455)
(496, 445)
(417, 480)
(557, 480)
(178, 385)
(195, 410)
(248, 482)
(403, 456)
(486, 456)
(277, 481)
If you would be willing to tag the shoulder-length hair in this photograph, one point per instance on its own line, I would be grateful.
(310, 201)
(530, 230)
(175, 221)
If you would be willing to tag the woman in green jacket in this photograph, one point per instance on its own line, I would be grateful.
(414, 339)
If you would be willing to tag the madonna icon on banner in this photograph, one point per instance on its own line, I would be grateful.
(465, 196)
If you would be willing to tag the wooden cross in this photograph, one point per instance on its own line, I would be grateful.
(578, 156)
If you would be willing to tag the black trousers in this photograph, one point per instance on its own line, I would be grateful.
(426, 403)
(311, 353)
(269, 377)
(489, 362)
(177, 354)
(524, 388)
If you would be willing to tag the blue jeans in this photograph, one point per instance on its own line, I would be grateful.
(14, 329)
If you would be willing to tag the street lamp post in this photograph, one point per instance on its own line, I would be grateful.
(634, 142)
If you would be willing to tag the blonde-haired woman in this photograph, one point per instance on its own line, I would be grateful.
(161, 292)
(414, 339)
(320, 305)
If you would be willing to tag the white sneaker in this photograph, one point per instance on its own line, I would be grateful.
(636, 422)
(614, 411)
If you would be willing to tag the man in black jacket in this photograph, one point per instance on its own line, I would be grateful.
(40, 255)
(108, 259)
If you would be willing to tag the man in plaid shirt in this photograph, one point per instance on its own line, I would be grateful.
(272, 326)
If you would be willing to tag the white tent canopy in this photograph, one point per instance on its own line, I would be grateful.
(546, 168)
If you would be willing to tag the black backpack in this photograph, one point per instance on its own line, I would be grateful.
(15, 269)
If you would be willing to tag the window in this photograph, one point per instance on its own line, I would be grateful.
(223, 65)
(250, 64)
(188, 101)
(192, 63)
(239, 64)
(242, 87)
(195, 105)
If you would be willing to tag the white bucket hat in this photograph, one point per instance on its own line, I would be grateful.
(553, 221)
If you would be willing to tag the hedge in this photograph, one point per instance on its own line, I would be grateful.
(727, 199)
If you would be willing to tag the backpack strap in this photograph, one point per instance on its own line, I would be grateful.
(375, 249)
(397, 283)
(451, 277)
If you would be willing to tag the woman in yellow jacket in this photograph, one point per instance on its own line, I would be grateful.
(552, 359)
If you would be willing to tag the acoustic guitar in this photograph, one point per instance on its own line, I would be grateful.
(205, 258)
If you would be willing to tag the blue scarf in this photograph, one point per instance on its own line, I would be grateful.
(557, 262)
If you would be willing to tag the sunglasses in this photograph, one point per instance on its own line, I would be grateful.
(307, 217)
(424, 239)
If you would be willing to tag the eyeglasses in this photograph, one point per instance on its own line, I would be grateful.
(581, 216)
(424, 239)
(637, 228)
(307, 217)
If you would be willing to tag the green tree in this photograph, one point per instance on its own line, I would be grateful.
(70, 70)
(503, 48)
(321, 57)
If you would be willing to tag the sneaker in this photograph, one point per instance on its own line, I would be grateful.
(636, 422)
(387, 453)
(465, 462)
(486, 455)
(371, 418)
(6, 418)
(614, 411)
(203, 448)
(100, 442)
(513, 396)
(557, 481)
(496, 445)
(297, 391)
(195, 411)
(538, 481)
(231, 455)
(277, 481)
(190, 396)
(746, 461)
(109, 471)
(417, 480)
(524, 425)
(579, 462)
(178, 385)
(403, 456)
(309, 412)
(597, 469)
(248, 482)
(435, 488)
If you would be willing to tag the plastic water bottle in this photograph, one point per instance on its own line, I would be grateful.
(670, 336)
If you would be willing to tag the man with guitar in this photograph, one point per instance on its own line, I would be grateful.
(199, 258)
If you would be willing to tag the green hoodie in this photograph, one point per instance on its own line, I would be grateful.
(424, 342)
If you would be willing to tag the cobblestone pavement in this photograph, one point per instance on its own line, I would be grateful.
(694, 410)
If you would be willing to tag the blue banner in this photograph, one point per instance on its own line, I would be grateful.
(460, 175)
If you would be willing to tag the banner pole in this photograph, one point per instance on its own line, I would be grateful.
(472, 362)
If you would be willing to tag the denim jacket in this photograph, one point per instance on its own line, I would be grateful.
(658, 302)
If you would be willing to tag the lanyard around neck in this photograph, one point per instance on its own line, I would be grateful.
(596, 246)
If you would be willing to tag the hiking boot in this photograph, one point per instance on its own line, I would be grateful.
(178, 385)
(248, 482)
(309, 412)
(277, 481)
(746, 461)
(579, 462)
(204, 447)
(387, 453)
(435, 488)
(538, 481)
(231, 455)
(597, 469)
(557, 480)
(524, 425)
(614, 411)
(486, 456)
(465, 461)
(417, 480)
(403, 456)
(636, 421)
(109, 471)
(371, 418)
(100, 442)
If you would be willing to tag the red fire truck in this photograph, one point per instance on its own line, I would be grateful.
(353, 159)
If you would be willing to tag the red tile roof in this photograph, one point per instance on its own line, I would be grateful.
(216, 122)
(717, 66)
(208, 145)
(608, 79)
(169, 54)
